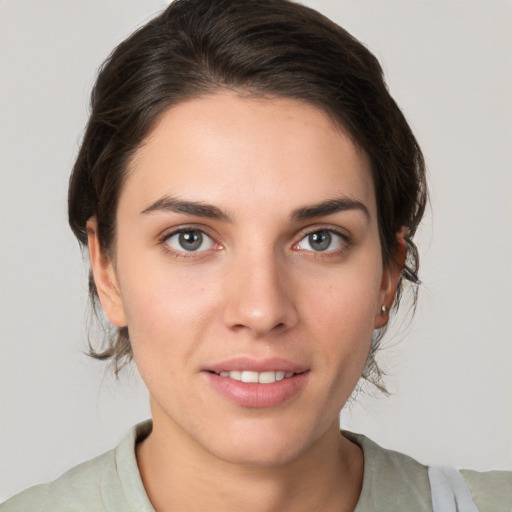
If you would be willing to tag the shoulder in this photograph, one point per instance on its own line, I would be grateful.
(491, 490)
(79, 485)
(396, 482)
(391, 481)
(109, 482)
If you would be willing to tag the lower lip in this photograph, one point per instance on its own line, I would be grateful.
(248, 394)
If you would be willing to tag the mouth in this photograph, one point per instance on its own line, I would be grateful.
(252, 377)
(257, 384)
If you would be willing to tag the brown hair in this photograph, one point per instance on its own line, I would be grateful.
(273, 48)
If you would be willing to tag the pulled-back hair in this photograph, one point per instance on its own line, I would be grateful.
(270, 48)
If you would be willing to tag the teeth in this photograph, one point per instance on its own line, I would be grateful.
(249, 377)
(267, 377)
(254, 377)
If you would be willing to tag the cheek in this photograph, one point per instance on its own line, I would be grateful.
(347, 298)
(342, 316)
(166, 311)
(344, 329)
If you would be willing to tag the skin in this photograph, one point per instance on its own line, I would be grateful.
(257, 288)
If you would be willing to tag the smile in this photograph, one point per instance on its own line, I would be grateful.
(248, 388)
(247, 376)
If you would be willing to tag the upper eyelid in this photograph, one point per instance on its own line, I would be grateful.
(314, 229)
(345, 243)
(181, 252)
(302, 233)
(166, 233)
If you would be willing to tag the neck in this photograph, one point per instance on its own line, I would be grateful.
(179, 475)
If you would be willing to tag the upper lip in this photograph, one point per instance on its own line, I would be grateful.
(256, 365)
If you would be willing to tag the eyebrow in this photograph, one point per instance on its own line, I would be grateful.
(197, 208)
(329, 207)
(200, 209)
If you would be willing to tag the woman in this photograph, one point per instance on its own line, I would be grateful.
(248, 192)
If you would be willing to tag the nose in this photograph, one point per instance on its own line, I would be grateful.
(259, 296)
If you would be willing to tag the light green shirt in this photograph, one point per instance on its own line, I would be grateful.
(392, 482)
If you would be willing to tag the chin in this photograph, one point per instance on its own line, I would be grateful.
(259, 456)
(262, 445)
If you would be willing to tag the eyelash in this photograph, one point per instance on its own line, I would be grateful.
(345, 242)
(184, 254)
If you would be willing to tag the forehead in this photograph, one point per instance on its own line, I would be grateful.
(248, 153)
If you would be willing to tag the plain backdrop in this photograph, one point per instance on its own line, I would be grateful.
(449, 66)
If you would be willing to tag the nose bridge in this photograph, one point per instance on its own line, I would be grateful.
(259, 297)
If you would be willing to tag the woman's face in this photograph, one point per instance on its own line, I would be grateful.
(247, 249)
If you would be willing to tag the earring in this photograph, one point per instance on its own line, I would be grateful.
(383, 309)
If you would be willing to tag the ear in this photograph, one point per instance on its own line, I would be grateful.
(390, 279)
(105, 277)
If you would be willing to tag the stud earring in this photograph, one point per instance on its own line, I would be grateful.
(384, 309)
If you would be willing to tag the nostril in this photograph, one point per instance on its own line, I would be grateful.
(257, 309)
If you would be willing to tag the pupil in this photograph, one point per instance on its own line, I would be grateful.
(320, 241)
(191, 240)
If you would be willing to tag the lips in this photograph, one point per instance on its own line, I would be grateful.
(257, 383)
(248, 376)
(250, 364)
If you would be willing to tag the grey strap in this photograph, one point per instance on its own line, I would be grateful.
(450, 493)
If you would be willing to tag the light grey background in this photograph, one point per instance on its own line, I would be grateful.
(448, 65)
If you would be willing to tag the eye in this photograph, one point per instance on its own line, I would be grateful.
(322, 240)
(189, 240)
